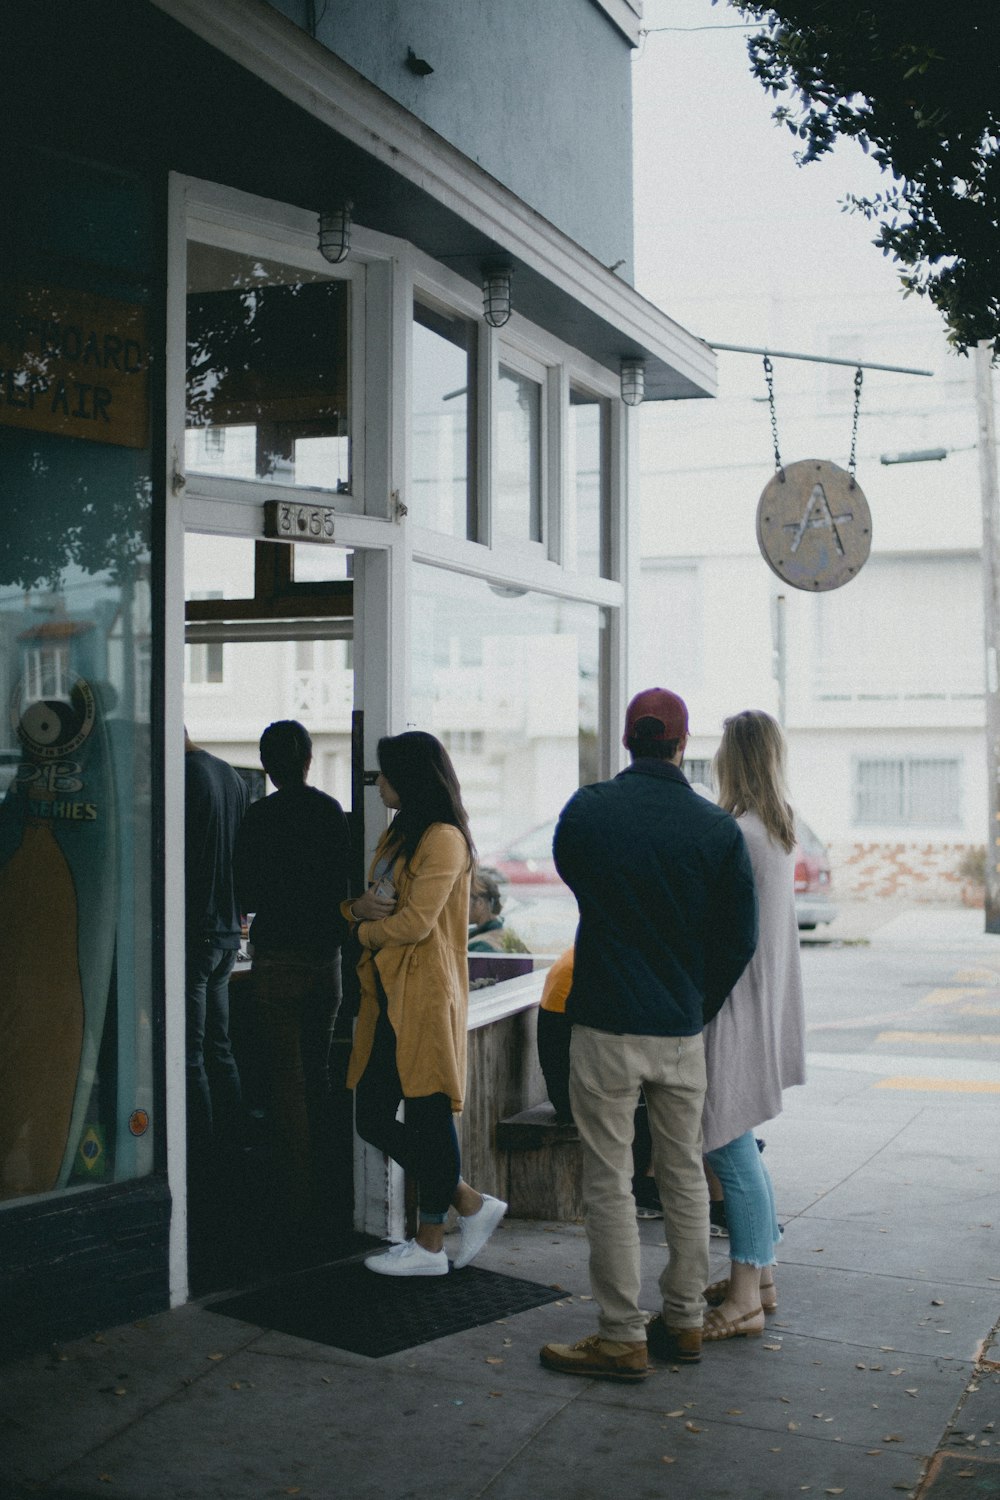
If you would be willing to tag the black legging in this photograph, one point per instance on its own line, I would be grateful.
(425, 1142)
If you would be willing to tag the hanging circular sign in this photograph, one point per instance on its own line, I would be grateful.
(814, 527)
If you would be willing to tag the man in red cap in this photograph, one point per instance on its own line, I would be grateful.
(668, 922)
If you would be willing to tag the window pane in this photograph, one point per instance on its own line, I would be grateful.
(517, 507)
(77, 1097)
(510, 682)
(878, 792)
(587, 467)
(314, 563)
(218, 567)
(267, 387)
(934, 792)
(444, 407)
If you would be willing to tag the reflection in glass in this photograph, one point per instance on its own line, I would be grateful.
(75, 822)
(517, 504)
(587, 469)
(444, 376)
(317, 564)
(76, 1013)
(511, 683)
(267, 381)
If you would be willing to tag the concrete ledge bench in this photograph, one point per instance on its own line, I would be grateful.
(544, 1169)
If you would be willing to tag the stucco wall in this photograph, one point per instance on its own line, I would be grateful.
(539, 95)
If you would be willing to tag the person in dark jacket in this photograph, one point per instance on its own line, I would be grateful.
(215, 800)
(292, 868)
(668, 922)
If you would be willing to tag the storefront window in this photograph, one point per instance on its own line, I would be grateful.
(517, 501)
(76, 1028)
(587, 463)
(510, 681)
(267, 386)
(444, 422)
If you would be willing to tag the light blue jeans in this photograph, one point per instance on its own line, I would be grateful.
(750, 1210)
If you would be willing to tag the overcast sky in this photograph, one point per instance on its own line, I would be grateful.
(743, 246)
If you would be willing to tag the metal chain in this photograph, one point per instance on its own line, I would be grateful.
(769, 377)
(852, 462)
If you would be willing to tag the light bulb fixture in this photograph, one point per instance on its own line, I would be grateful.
(496, 292)
(335, 232)
(633, 381)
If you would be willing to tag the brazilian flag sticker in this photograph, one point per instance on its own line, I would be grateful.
(92, 1156)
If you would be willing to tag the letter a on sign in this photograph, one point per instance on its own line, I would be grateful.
(814, 527)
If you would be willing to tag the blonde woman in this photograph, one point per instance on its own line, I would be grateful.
(755, 1046)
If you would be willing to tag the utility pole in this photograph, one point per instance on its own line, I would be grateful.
(986, 438)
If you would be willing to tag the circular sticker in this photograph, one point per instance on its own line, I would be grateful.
(138, 1122)
(814, 527)
(50, 728)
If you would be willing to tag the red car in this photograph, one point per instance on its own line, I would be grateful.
(812, 880)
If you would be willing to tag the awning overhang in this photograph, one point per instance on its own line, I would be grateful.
(407, 181)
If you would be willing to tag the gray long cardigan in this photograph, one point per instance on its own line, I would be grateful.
(755, 1046)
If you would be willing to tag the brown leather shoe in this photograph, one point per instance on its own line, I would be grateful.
(679, 1345)
(599, 1358)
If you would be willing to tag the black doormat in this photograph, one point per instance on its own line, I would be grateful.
(348, 1307)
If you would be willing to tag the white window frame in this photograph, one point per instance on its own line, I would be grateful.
(386, 276)
(907, 760)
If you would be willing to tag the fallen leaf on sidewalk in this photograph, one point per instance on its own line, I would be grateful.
(734, 1411)
(693, 1427)
(873, 1452)
(679, 1413)
(892, 1437)
(839, 1491)
(491, 1359)
(912, 1390)
(793, 1426)
(666, 1459)
(216, 1356)
(771, 1346)
(936, 1302)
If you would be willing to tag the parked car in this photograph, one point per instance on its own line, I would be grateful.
(813, 903)
(527, 860)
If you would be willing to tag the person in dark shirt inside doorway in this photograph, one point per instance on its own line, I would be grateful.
(292, 869)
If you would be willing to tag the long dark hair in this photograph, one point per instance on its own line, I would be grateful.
(420, 772)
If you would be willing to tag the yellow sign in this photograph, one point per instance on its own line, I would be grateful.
(74, 363)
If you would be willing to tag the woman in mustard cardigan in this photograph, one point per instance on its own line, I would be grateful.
(410, 1042)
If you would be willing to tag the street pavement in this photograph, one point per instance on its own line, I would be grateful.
(879, 1375)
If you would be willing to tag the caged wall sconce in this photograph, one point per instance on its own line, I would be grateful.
(633, 381)
(496, 292)
(335, 233)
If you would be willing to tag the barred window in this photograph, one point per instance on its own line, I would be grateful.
(908, 791)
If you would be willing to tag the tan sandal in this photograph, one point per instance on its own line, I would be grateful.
(716, 1327)
(717, 1293)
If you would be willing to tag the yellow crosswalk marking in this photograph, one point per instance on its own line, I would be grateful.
(942, 1038)
(979, 1010)
(949, 996)
(976, 976)
(939, 1085)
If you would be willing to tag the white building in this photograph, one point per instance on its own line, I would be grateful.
(879, 683)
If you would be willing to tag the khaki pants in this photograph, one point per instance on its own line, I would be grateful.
(606, 1073)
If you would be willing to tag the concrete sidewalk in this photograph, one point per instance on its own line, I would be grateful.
(882, 1355)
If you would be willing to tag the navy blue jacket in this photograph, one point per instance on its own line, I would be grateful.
(668, 908)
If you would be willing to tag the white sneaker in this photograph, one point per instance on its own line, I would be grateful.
(408, 1259)
(477, 1228)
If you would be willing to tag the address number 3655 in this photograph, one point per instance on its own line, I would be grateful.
(289, 522)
